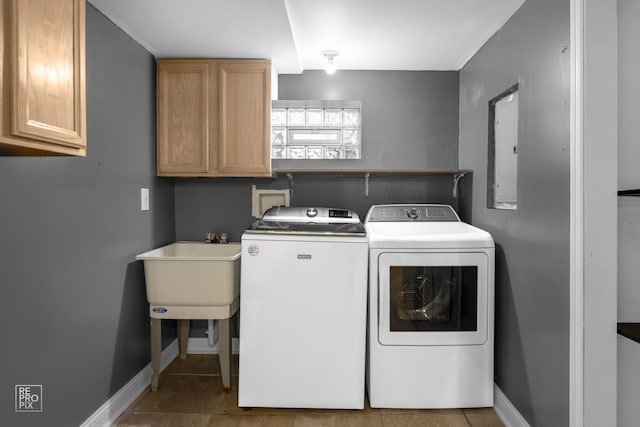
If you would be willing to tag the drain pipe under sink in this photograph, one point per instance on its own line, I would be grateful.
(211, 333)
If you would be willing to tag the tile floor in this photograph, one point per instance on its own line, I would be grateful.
(190, 395)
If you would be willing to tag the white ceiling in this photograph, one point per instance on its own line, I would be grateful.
(369, 34)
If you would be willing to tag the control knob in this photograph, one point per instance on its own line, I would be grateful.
(412, 213)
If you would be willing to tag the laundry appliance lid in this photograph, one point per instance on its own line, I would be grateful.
(427, 235)
(428, 226)
(308, 221)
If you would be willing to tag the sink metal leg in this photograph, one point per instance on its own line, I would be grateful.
(183, 337)
(224, 341)
(156, 343)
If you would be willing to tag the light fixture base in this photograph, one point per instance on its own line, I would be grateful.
(330, 68)
(330, 53)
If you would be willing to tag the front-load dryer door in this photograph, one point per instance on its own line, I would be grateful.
(433, 298)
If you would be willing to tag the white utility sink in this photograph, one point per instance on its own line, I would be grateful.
(189, 279)
(192, 280)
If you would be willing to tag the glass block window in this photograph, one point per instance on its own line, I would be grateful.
(296, 116)
(315, 117)
(333, 117)
(316, 130)
(351, 117)
(278, 117)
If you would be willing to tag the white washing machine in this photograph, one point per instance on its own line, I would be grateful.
(431, 309)
(303, 302)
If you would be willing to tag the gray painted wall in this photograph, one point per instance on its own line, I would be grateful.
(628, 155)
(599, 158)
(628, 208)
(532, 266)
(409, 118)
(224, 205)
(628, 94)
(74, 305)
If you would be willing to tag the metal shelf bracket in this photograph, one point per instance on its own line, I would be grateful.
(456, 179)
(366, 184)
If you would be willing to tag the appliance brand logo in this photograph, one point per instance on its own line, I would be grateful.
(159, 310)
(304, 256)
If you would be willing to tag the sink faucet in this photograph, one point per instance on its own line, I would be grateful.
(214, 238)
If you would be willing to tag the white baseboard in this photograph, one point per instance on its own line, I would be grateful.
(119, 402)
(506, 411)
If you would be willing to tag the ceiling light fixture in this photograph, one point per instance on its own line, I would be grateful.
(330, 68)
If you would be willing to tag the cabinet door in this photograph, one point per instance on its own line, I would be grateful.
(183, 118)
(245, 118)
(48, 77)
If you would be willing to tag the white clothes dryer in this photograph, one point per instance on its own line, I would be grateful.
(431, 309)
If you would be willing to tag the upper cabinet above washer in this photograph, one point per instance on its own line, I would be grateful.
(42, 77)
(214, 117)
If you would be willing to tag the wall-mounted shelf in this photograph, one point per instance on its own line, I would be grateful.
(377, 171)
(631, 193)
(456, 174)
(630, 330)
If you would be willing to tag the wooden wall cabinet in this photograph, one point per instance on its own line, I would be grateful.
(214, 117)
(42, 77)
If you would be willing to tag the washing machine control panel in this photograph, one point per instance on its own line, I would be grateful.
(402, 213)
(317, 215)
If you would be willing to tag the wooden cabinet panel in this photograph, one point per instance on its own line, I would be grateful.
(48, 78)
(245, 115)
(42, 96)
(183, 118)
(214, 117)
